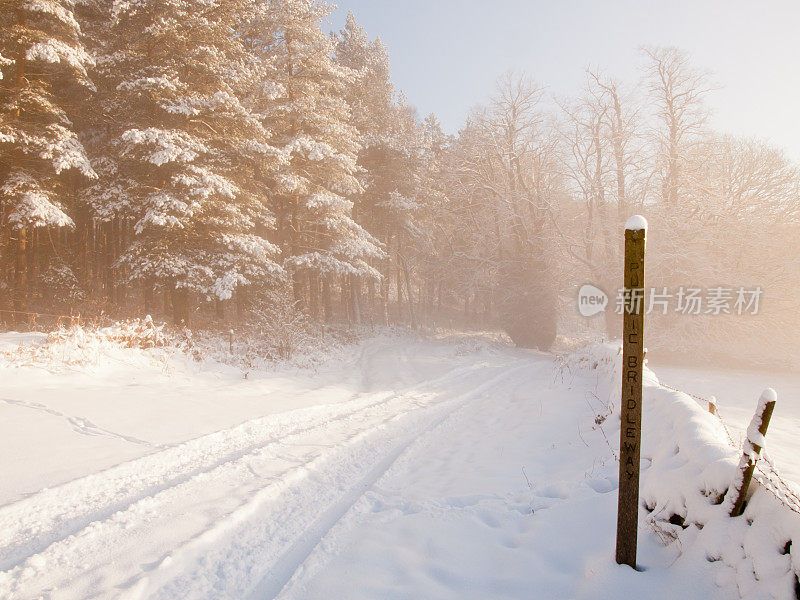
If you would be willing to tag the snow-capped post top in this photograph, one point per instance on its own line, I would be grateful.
(635, 223)
(768, 395)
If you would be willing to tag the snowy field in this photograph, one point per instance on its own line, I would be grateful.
(401, 468)
(737, 393)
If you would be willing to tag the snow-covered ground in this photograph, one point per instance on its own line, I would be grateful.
(737, 393)
(402, 468)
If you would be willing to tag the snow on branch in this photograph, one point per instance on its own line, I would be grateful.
(164, 211)
(4, 62)
(194, 105)
(33, 206)
(399, 204)
(256, 148)
(162, 83)
(165, 145)
(252, 245)
(65, 151)
(7, 135)
(327, 264)
(224, 285)
(54, 51)
(203, 183)
(314, 150)
(53, 9)
(328, 200)
(290, 182)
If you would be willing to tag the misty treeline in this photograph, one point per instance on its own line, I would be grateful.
(214, 161)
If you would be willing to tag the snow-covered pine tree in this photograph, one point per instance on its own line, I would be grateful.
(389, 159)
(396, 166)
(304, 105)
(102, 227)
(44, 76)
(369, 92)
(194, 154)
(431, 217)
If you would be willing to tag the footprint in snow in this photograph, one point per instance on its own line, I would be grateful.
(488, 519)
(602, 486)
(559, 491)
(511, 542)
(549, 496)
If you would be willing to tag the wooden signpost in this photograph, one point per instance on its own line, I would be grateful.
(631, 399)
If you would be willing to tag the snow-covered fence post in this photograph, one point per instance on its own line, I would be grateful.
(752, 448)
(630, 436)
(712, 405)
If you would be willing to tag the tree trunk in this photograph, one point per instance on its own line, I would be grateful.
(21, 271)
(149, 297)
(241, 303)
(372, 300)
(384, 301)
(326, 300)
(313, 295)
(399, 297)
(354, 298)
(409, 295)
(20, 265)
(344, 298)
(180, 306)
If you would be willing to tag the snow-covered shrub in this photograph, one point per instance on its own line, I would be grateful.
(286, 328)
(81, 345)
(134, 333)
(137, 333)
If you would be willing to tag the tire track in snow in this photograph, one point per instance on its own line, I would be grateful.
(30, 525)
(354, 508)
(68, 538)
(240, 557)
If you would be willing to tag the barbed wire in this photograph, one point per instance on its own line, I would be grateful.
(772, 481)
(731, 441)
(767, 473)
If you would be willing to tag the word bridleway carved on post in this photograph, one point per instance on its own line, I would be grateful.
(631, 398)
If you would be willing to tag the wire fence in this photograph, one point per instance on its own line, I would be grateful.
(766, 473)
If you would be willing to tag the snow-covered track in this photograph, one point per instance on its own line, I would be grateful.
(260, 568)
(30, 525)
(196, 494)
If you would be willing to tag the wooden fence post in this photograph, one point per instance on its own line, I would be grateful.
(752, 448)
(631, 398)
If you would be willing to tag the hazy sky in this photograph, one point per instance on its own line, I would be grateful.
(446, 54)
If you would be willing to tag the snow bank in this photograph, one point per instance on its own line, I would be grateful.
(688, 466)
